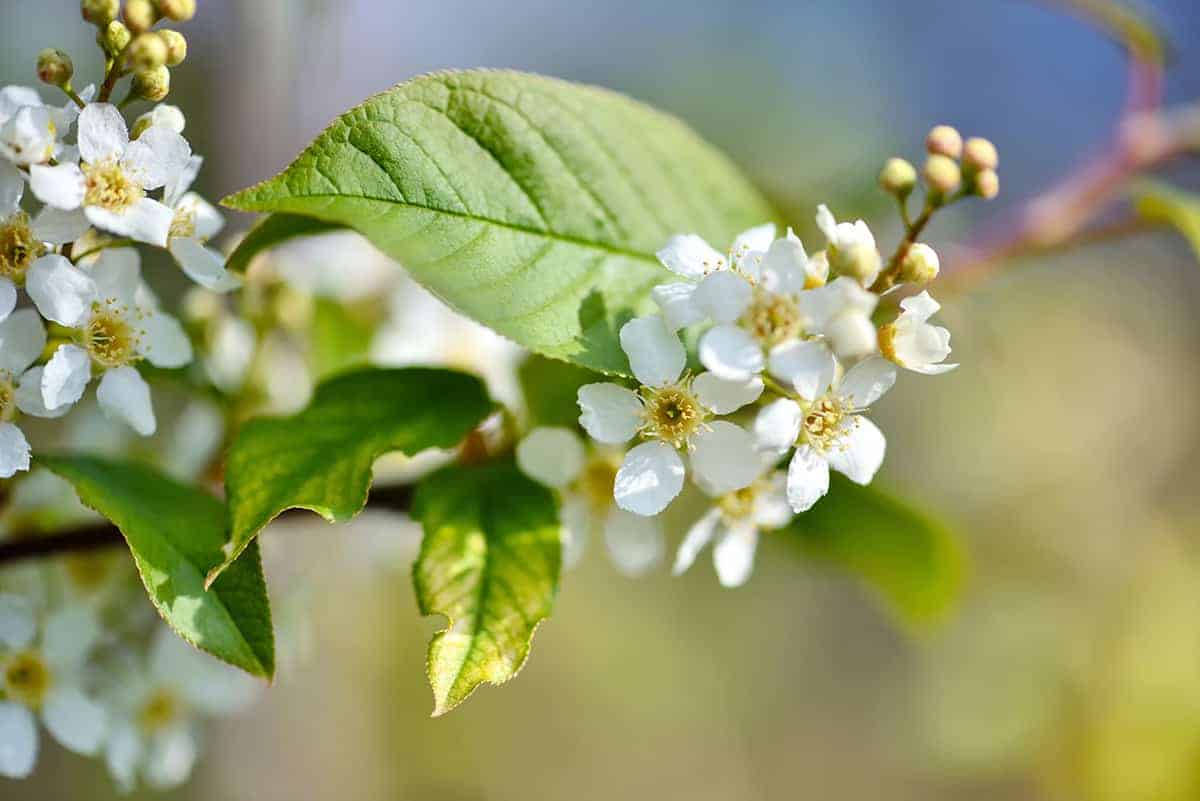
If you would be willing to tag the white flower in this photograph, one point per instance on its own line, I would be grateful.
(911, 342)
(735, 521)
(851, 247)
(29, 129)
(118, 324)
(558, 458)
(22, 338)
(715, 287)
(111, 182)
(42, 676)
(841, 312)
(670, 414)
(194, 222)
(828, 431)
(156, 709)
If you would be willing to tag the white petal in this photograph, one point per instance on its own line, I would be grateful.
(175, 192)
(675, 301)
(14, 451)
(852, 334)
(861, 452)
(552, 456)
(65, 377)
(726, 397)
(723, 296)
(867, 381)
(8, 298)
(165, 343)
(123, 754)
(753, 240)
(77, 722)
(785, 266)
(125, 396)
(59, 227)
(30, 399)
(62, 186)
(656, 356)
(147, 221)
(170, 758)
(826, 222)
(921, 307)
(17, 625)
(933, 369)
(576, 525)
(690, 256)
(12, 187)
(159, 155)
(13, 98)
(61, 291)
(29, 137)
(807, 366)
(207, 219)
(118, 274)
(18, 741)
(635, 543)
(649, 479)
(102, 133)
(731, 353)
(699, 535)
(778, 425)
(724, 458)
(771, 510)
(808, 479)
(203, 265)
(69, 635)
(733, 555)
(207, 684)
(22, 339)
(819, 306)
(611, 413)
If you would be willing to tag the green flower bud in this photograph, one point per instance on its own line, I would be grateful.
(942, 174)
(176, 47)
(944, 141)
(100, 12)
(178, 10)
(979, 154)
(114, 38)
(140, 15)
(987, 184)
(147, 52)
(54, 67)
(861, 262)
(920, 265)
(898, 177)
(152, 85)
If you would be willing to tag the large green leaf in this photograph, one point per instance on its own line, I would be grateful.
(176, 534)
(321, 458)
(551, 390)
(489, 562)
(1157, 202)
(910, 559)
(531, 204)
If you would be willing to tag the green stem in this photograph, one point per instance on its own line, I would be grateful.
(70, 92)
(116, 243)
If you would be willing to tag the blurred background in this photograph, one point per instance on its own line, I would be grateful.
(1062, 451)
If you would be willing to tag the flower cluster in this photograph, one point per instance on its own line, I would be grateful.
(73, 305)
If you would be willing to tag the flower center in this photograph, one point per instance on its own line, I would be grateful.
(110, 187)
(108, 337)
(27, 678)
(86, 571)
(183, 225)
(887, 343)
(672, 413)
(597, 480)
(161, 709)
(738, 505)
(18, 248)
(823, 425)
(8, 397)
(772, 318)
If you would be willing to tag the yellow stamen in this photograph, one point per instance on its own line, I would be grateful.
(27, 678)
(18, 248)
(110, 187)
(672, 413)
(108, 337)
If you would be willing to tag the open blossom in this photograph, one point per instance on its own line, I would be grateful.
(29, 129)
(114, 174)
(912, 342)
(557, 458)
(194, 222)
(735, 521)
(117, 324)
(841, 312)
(828, 431)
(22, 338)
(670, 413)
(851, 247)
(40, 676)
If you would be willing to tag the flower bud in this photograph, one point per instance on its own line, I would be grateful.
(920, 265)
(54, 67)
(178, 10)
(152, 85)
(979, 154)
(861, 262)
(100, 12)
(176, 47)
(942, 174)
(169, 117)
(987, 184)
(114, 38)
(944, 141)
(148, 51)
(140, 15)
(898, 177)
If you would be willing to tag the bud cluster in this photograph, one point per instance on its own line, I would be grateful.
(132, 45)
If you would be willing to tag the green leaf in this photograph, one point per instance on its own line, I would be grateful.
(176, 533)
(551, 388)
(489, 562)
(272, 231)
(1159, 203)
(910, 559)
(339, 339)
(533, 205)
(321, 458)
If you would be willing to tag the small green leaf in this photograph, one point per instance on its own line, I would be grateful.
(551, 388)
(176, 534)
(321, 458)
(532, 205)
(910, 559)
(339, 339)
(489, 562)
(272, 231)
(1159, 203)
